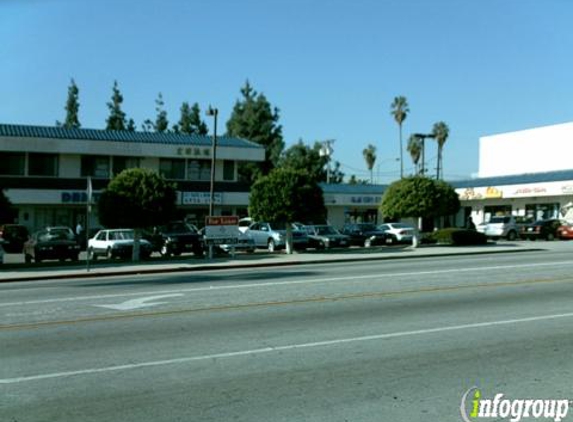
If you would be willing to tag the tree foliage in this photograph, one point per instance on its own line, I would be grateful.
(190, 121)
(400, 110)
(72, 108)
(415, 150)
(302, 157)
(116, 119)
(285, 196)
(161, 123)
(7, 211)
(419, 196)
(137, 198)
(441, 131)
(369, 154)
(254, 119)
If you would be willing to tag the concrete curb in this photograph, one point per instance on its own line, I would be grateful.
(208, 267)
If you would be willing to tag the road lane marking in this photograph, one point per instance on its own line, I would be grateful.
(142, 302)
(285, 283)
(308, 300)
(271, 349)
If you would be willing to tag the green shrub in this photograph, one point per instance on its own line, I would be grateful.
(459, 237)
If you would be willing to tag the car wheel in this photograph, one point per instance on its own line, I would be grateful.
(550, 236)
(271, 246)
(198, 251)
(28, 258)
(511, 235)
(251, 250)
(37, 258)
(75, 258)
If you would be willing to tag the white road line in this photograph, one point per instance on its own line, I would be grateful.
(266, 350)
(287, 283)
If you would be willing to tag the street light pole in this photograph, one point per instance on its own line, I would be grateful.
(213, 112)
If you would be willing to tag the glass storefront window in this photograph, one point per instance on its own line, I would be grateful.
(542, 211)
(172, 168)
(228, 171)
(120, 164)
(199, 170)
(12, 163)
(42, 164)
(495, 211)
(95, 166)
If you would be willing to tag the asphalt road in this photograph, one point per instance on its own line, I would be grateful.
(371, 341)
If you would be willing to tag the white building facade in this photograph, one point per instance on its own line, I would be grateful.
(44, 170)
(526, 173)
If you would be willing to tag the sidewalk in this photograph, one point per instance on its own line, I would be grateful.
(261, 259)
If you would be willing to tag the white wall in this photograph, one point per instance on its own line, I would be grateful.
(536, 150)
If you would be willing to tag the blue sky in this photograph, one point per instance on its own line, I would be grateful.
(331, 67)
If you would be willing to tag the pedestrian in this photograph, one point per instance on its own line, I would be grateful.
(79, 229)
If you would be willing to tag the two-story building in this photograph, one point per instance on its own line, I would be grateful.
(44, 170)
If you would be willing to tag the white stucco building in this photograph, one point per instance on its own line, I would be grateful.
(526, 173)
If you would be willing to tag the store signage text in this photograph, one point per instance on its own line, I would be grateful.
(194, 152)
(78, 197)
(201, 198)
(365, 199)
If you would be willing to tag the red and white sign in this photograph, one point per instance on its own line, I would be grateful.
(221, 229)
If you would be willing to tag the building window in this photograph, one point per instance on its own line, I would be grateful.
(42, 164)
(536, 212)
(120, 164)
(12, 163)
(95, 166)
(495, 211)
(199, 170)
(228, 171)
(172, 168)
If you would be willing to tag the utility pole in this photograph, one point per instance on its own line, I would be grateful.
(326, 151)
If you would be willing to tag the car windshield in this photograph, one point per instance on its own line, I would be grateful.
(55, 234)
(323, 230)
(121, 235)
(179, 227)
(499, 220)
(367, 226)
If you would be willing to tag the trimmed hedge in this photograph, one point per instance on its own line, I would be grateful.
(459, 237)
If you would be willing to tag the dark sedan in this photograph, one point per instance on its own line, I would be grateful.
(326, 237)
(541, 229)
(176, 238)
(52, 243)
(365, 234)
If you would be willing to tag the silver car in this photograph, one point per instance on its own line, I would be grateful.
(273, 237)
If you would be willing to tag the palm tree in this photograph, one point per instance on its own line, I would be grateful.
(441, 132)
(369, 154)
(415, 150)
(400, 111)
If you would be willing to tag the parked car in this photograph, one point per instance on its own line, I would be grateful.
(52, 243)
(325, 237)
(245, 242)
(117, 243)
(364, 234)
(272, 237)
(245, 223)
(507, 226)
(398, 232)
(14, 236)
(565, 231)
(175, 238)
(541, 229)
